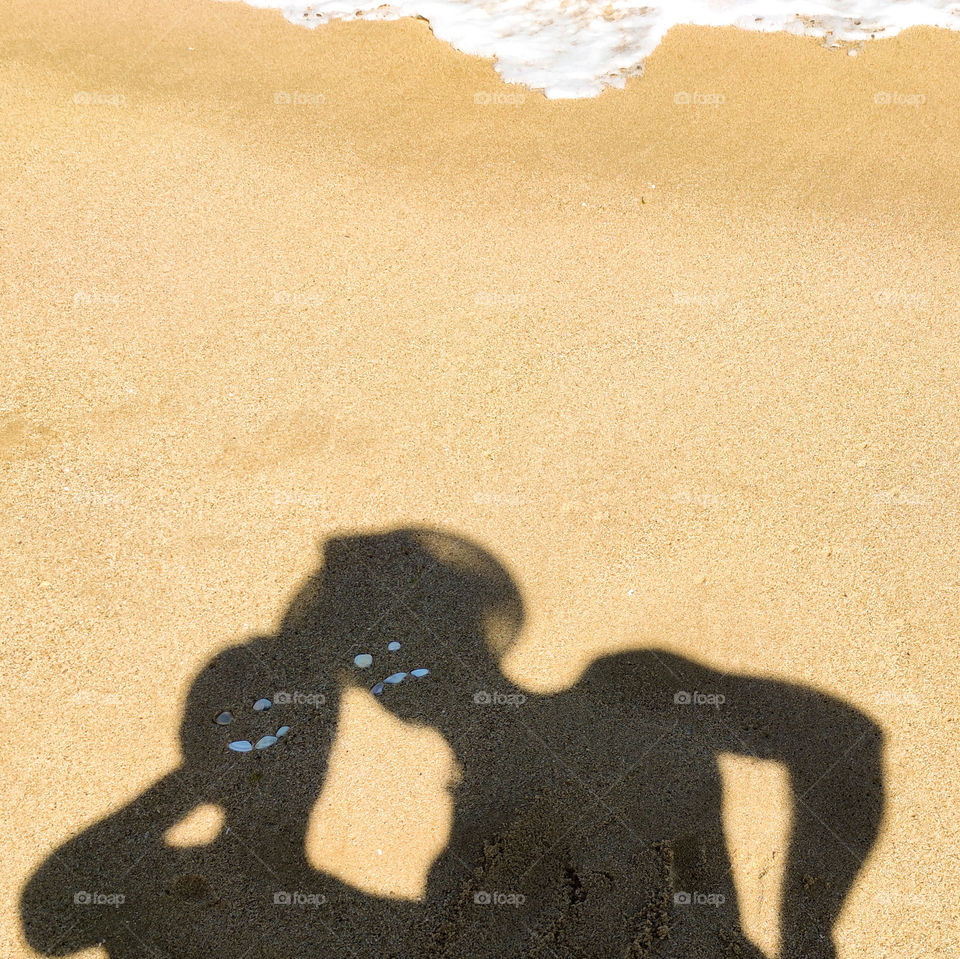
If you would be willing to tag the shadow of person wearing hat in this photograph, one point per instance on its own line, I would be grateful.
(587, 823)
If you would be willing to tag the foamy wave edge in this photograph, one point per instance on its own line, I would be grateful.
(575, 48)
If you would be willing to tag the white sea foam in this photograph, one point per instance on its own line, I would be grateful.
(574, 48)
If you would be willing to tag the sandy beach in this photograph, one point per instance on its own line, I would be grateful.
(682, 357)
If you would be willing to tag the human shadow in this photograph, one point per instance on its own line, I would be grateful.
(586, 823)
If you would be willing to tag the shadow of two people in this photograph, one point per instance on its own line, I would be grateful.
(586, 824)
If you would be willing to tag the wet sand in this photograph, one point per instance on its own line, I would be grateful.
(688, 369)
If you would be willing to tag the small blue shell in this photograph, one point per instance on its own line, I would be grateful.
(393, 647)
(282, 731)
(419, 672)
(395, 678)
(266, 741)
(224, 719)
(261, 704)
(241, 746)
(377, 690)
(363, 661)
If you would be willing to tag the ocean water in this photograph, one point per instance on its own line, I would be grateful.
(575, 48)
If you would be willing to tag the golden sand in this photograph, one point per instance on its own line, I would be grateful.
(689, 370)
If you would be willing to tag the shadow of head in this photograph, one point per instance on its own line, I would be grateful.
(452, 607)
